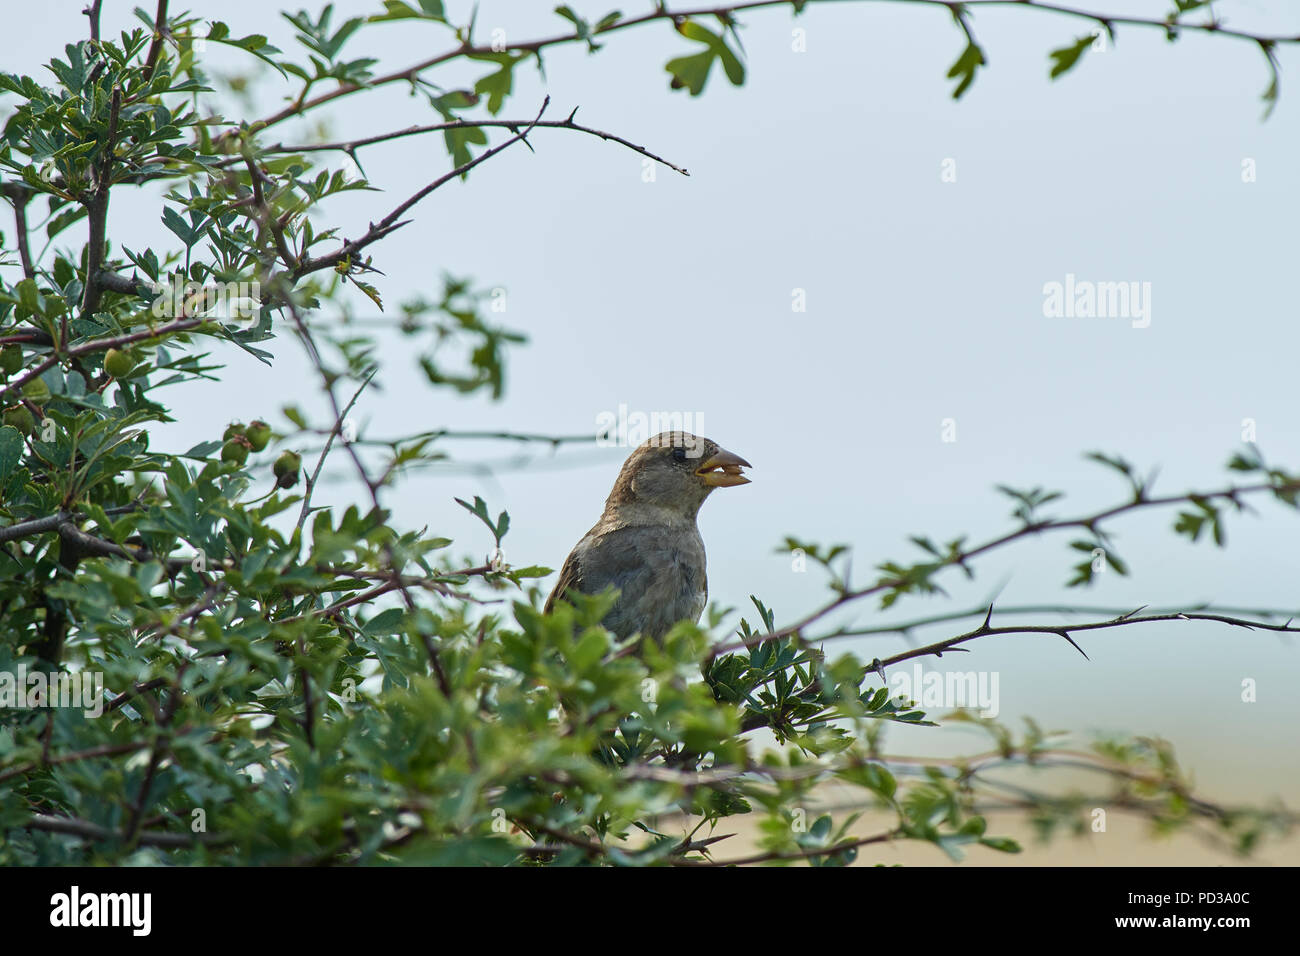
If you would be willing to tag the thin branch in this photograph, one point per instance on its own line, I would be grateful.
(73, 826)
(104, 750)
(391, 222)
(19, 197)
(141, 688)
(436, 434)
(205, 603)
(34, 526)
(1086, 522)
(264, 214)
(939, 648)
(161, 744)
(102, 345)
(463, 50)
(159, 33)
(92, 12)
(97, 217)
(112, 282)
(308, 700)
(327, 385)
(29, 337)
(906, 627)
(329, 443)
(351, 146)
(810, 853)
(390, 581)
(395, 581)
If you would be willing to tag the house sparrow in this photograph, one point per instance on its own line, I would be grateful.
(646, 543)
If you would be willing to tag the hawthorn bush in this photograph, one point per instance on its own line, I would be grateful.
(275, 682)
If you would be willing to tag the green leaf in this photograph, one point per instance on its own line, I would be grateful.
(30, 297)
(385, 622)
(398, 10)
(11, 451)
(590, 649)
(371, 292)
(971, 59)
(1065, 58)
(479, 510)
(692, 72)
(1001, 844)
(532, 571)
(496, 86)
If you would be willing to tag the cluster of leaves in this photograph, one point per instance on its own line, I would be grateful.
(274, 681)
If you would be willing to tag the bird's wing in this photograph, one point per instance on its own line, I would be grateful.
(570, 578)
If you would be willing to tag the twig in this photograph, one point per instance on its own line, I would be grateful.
(159, 32)
(308, 701)
(32, 526)
(411, 73)
(23, 529)
(92, 12)
(390, 222)
(265, 216)
(796, 855)
(351, 146)
(19, 197)
(320, 462)
(1087, 522)
(73, 826)
(104, 750)
(939, 648)
(905, 628)
(97, 217)
(102, 345)
(140, 688)
(161, 743)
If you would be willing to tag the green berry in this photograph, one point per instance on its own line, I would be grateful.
(21, 418)
(258, 434)
(233, 430)
(235, 450)
(286, 469)
(118, 364)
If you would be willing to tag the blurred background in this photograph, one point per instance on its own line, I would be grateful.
(920, 233)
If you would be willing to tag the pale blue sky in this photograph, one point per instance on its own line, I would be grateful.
(924, 303)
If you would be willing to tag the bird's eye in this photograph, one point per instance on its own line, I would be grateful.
(679, 454)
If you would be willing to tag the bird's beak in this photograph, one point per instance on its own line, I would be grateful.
(723, 470)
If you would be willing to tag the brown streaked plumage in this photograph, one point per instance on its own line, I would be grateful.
(646, 542)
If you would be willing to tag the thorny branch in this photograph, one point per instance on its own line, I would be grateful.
(1104, 21)
(1087, 522)
(351, 146)
(390, 223)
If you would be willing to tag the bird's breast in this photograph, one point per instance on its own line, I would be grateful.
(659, 572)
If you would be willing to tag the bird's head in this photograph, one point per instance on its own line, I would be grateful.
(676, 471)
